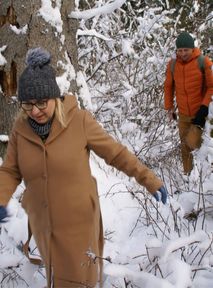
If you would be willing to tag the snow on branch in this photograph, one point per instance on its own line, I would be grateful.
(145, 279)
(92, 33)
(197, 237)
(90, 13)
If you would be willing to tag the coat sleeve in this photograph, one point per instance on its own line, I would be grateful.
(168, 89)
(10, 177)
(208, 81)
(117, 155)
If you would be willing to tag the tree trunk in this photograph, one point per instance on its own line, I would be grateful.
(8, 110)
(22, 27)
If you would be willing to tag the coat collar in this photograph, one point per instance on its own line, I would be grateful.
(22, 126)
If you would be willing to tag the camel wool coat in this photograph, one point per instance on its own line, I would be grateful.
(61, 197)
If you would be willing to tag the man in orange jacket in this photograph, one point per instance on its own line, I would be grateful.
(192, 90)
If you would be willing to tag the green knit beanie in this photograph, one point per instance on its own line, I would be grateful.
(185, 40)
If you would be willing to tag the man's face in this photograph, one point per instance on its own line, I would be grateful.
(184, 53)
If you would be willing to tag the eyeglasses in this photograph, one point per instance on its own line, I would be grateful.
(28, 106)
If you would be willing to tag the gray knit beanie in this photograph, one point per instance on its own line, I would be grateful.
(185, 40)
(38, 80)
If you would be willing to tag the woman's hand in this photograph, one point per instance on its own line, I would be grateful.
(3, 214)
(164, 195)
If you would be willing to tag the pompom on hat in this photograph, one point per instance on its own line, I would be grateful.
(185, 40)
(38, 80)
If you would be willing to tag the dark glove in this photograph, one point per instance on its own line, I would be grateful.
(164, 194)
(3, 214)
(200, 117)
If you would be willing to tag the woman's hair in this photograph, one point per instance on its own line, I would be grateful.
(59, 112)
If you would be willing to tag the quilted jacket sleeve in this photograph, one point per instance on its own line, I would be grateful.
(208, 81)
(10, 177)
(118, 156)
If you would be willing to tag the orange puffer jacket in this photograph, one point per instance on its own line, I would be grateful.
(188, 86)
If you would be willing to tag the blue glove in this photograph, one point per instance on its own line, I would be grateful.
(3, 214)
(164, 194)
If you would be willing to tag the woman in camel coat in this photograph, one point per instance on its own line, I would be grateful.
(49, 149)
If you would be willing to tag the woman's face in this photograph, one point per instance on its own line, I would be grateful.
(40, 111)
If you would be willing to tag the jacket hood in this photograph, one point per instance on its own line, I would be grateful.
(70, 106)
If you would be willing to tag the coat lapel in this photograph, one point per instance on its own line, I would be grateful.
(23, 128)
